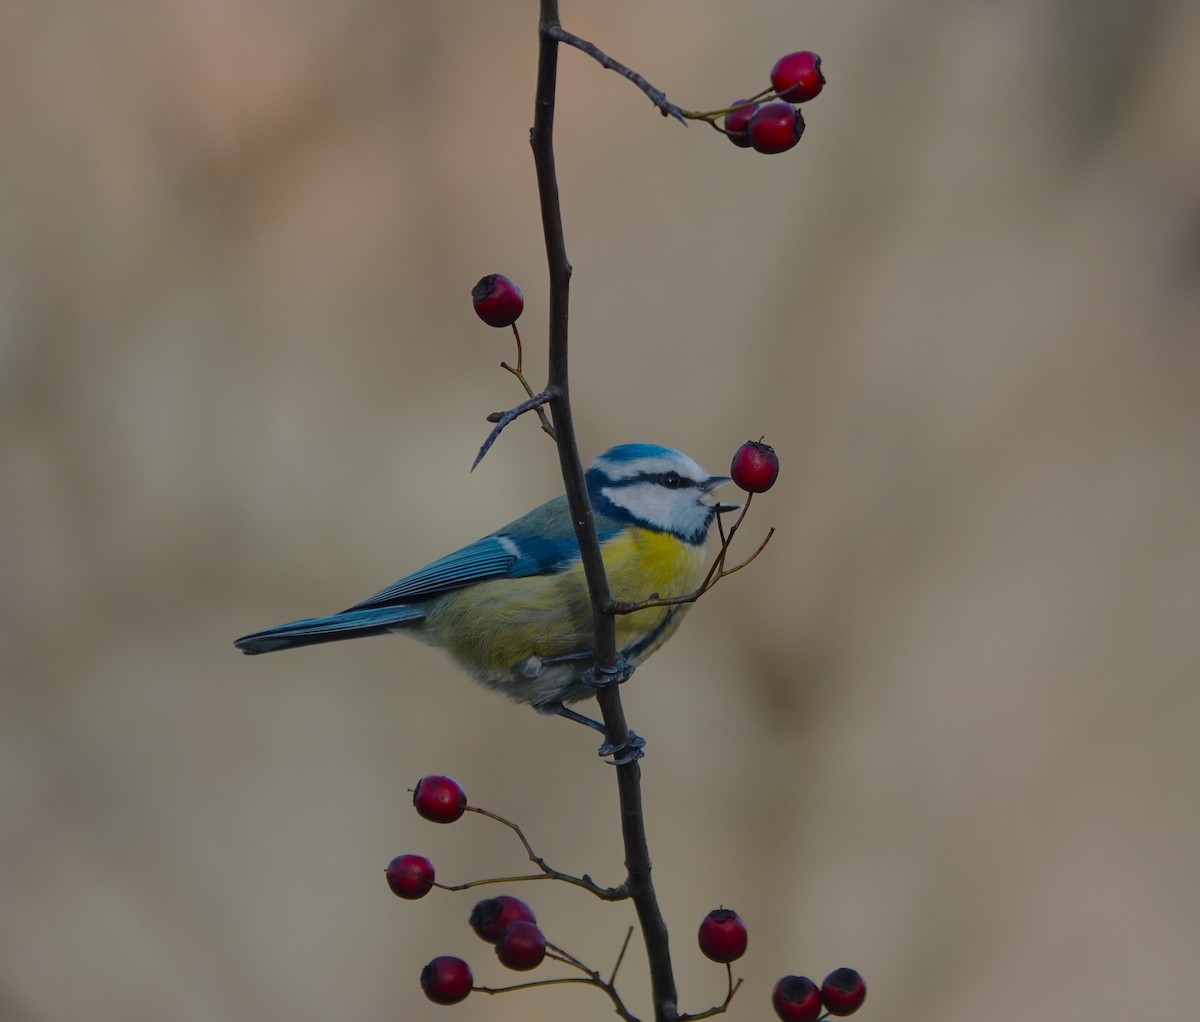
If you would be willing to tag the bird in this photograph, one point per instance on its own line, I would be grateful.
(513, 608)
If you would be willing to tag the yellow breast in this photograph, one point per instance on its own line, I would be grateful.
(492, 626)
(641, 564)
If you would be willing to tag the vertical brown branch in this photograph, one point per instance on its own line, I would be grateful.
(633, 828)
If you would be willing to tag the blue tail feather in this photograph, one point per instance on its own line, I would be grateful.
(350, 624)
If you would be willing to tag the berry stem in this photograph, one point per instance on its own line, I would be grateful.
(712, 116)
(517, 372)
(717, 1009)
(561, 955)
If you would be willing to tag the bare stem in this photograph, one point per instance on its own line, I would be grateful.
(633, 827)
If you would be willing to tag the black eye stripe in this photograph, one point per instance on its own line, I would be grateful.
(669, 480)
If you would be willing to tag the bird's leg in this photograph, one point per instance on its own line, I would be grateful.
(569, 658)
(630, 750)
(569, 714)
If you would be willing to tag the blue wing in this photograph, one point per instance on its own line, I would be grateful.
(496, 556)
(540, 542)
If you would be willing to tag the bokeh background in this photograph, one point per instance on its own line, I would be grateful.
(943, 731)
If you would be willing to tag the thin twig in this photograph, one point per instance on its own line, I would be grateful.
(656, 96)
(612, 978)
(557, 954)
(547, 872)
(618, 1004)
(502, 419)
(566, 878)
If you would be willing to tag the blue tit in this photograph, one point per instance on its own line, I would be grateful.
(513, 608)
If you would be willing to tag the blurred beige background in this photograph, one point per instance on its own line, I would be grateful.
(943, 731)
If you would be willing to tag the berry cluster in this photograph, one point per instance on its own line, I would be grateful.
(510, 927)
(799, 999)
(723, 938)
(771, 122)
(507, 923)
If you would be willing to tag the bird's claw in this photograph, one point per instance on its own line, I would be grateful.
(602, 677)
(630, 750)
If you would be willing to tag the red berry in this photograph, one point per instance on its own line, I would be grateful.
(843, 992)
(521, 945)
(796, 999)
(497, 300)
(775, 128)
(440, 799)
(490, 916)
(723, 935)
(446, 980)
(755, 466)
(410, 876)
(797, 77)
(737, 121)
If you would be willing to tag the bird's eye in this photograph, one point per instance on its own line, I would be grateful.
(671, 480)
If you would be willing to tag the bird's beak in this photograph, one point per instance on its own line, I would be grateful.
(708, 497)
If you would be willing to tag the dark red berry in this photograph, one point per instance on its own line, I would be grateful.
(521, 945)
(446, 980)
(497, 300)
(410, 876)
(843, 992)
(440, 799)
(755, 466)
(796, 999)
(775, 128)
(737, 121)
(490, 916)
(797, 77)
(723, 935)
